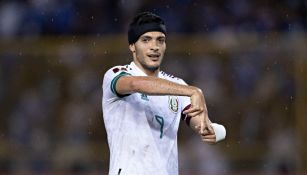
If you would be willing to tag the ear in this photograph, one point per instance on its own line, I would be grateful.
(132, 47)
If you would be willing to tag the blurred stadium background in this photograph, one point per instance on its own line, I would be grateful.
(249, 57)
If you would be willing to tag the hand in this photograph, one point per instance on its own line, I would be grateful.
(204, 127)
(198, 108)
(208, 137)
(197, 103)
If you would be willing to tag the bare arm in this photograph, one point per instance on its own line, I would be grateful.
(152, 86)
(158, 86)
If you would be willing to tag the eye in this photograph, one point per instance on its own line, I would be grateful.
(161, 40)
(145, 40)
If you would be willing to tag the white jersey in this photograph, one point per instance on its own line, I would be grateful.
(142, 129)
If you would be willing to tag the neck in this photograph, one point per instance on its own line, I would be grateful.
(147, 71)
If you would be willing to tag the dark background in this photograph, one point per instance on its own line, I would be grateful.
(249, 58)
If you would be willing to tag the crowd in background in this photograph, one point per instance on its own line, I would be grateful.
(45, 17)
(50, 105)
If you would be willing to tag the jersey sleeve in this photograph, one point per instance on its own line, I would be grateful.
(110, 79)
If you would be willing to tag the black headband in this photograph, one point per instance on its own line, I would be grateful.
(135, 32)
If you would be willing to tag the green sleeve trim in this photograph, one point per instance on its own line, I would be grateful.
(114, 81)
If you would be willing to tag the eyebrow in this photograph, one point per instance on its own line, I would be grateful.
(161, 37)
(146, 36)
(158, 37)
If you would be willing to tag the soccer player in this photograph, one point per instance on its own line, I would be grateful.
(142, 106)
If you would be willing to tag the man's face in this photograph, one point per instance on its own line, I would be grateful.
(149, 50)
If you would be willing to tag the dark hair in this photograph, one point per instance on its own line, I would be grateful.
(142, 23)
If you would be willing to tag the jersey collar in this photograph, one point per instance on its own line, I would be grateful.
(139, 71)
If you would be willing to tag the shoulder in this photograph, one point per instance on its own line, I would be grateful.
(116, 72)
(111, 77)
(172, 78)
(118, 68)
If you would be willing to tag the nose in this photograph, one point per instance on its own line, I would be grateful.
(154, 46)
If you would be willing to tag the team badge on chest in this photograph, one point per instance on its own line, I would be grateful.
(173, 103)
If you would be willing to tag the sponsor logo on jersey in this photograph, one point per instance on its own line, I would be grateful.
(173, 103)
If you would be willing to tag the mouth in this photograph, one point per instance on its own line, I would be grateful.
(154, 56)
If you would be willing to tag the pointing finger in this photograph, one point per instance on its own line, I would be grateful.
(192, 109)
(193, 114)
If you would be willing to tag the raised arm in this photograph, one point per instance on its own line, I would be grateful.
(157, 86)
(153, 86)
